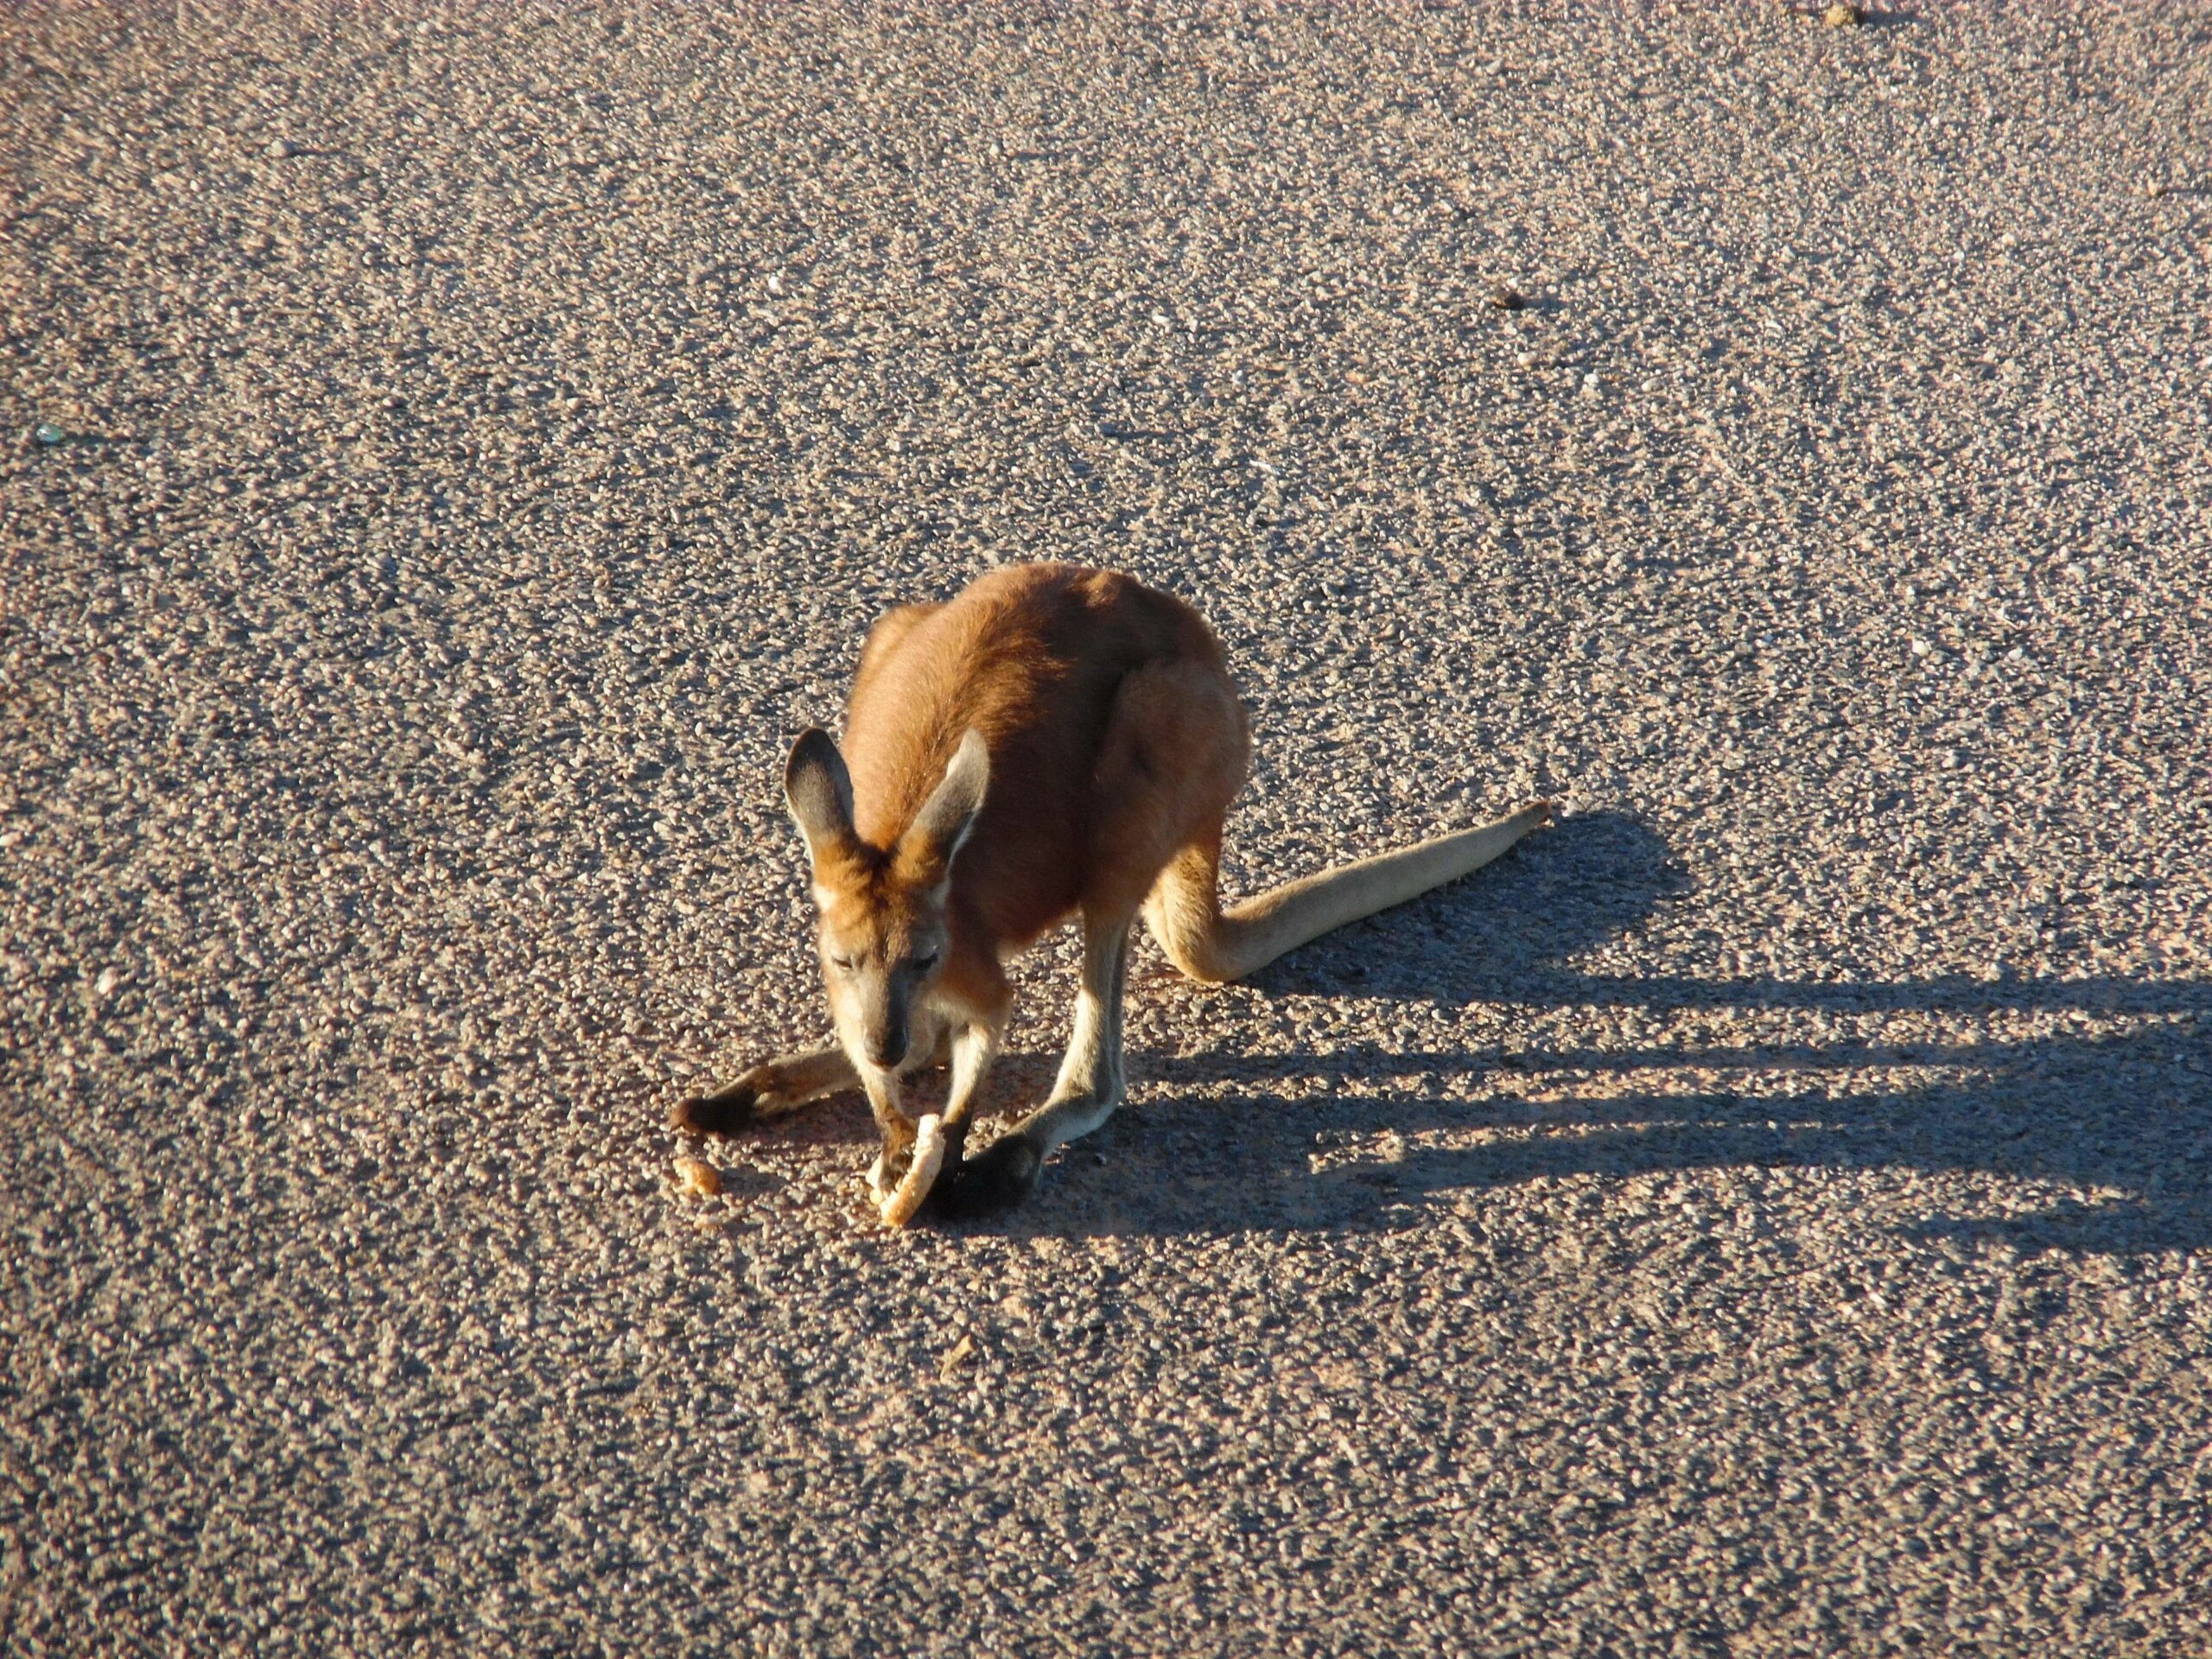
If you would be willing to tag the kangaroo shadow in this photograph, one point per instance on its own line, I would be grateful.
(2125, 1119)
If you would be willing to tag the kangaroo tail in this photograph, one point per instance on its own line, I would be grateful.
(1184, 911)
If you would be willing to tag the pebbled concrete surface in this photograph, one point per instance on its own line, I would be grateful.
(1766, 1214)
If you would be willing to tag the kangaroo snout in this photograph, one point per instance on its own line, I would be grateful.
(885, 1030)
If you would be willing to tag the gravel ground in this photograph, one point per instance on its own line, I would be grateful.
(1770, 1212)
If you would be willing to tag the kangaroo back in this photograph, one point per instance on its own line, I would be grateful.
(1033, 659)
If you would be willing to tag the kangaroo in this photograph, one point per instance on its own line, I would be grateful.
(1053, 742)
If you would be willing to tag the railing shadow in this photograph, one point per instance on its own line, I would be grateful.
(2128, 1115)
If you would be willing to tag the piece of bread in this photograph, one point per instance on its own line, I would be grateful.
(898, 1208)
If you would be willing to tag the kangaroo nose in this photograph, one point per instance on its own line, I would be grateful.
(883, 1055)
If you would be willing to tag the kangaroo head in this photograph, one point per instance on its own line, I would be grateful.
(884, 925)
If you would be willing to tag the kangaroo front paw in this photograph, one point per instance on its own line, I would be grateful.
(886, 1172)
(995, 1180)
(725, 1112)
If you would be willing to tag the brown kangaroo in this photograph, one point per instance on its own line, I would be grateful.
(1053, 742)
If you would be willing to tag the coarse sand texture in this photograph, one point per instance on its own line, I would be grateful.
(448, 452)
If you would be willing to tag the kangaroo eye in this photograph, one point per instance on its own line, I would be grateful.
(926, 961)
(842, 964)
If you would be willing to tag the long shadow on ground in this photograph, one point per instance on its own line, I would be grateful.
(1170, 1168)
(2130, 1114)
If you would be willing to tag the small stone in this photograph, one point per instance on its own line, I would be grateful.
(958, 1355)
(281, 149)
(1843, 16)
(48, 434)
(1506, 298)
(698, 1177)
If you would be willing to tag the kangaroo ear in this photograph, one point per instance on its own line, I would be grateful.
(950, 813)
(819, 792)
